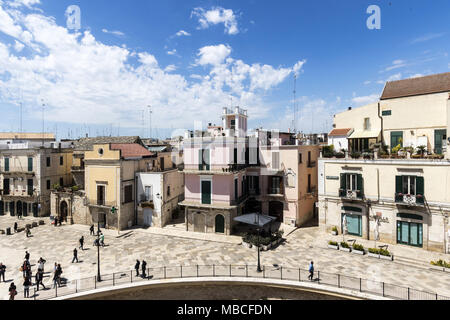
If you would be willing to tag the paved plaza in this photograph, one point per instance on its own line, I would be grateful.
(56, 244)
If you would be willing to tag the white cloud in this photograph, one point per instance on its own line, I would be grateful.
(427, 37)
(364, 100)
(172, 52)
(396, 64)
(116, 33)
(85, 81)
(26, 3)
(170, 68)
(18, 46)
(367, 82)
(217, 15)
(182, 33)
(213, 55)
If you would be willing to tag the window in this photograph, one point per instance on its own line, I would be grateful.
(6, 186)
(61, 182)
(168, 191)
(206, 191)
(233, 124)
(30, 187)
(6, 164)
(48, 184)
(48, 161)
(410, 233)
(352, 182)
(309, 184)
(161, 161)
(354, 224)
(409, 185)
(253, 184)
(128, 191)
(236, 190)
(299, 158)
(203, 159)
(275, 160)
(61, 161)
(366, 123)
(101, 195)
(275, 185)
(396, 139)
(30, 164)
(148, 193)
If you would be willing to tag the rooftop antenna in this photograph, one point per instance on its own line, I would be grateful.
(143, 124)
(295, 103)
(150, 123)
(43, 128)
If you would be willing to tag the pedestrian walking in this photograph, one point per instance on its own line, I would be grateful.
(27, 231)
(59, 270)
(75, 255)
(39, 278)
(311, 271)
(16, 227)
(91, 229)
(136, 267)
(26, 288)
(27, 255)
(81, 242)
(41, 263)
(12, 291)
(56, 221)
(144, 268)
(2, 272)
(102, 239)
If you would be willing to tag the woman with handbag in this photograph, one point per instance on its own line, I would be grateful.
(12, 291)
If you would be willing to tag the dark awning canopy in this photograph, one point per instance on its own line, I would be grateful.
(255, 219)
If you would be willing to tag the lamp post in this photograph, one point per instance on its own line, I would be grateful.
(259, 243)
(98, 247)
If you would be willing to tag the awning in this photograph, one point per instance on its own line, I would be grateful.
(364, 134)
(255, 219)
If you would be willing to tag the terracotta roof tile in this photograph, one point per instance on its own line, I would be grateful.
(417, 86)
(339, 132)
(131, 150)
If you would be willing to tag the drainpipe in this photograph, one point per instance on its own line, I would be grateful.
(382, 126)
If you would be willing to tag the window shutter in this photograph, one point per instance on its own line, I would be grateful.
(360, 184)
(200, 159)
(30, 164)
(6, 164)
(207, 161)
(420, 185)
(343, 181)
(398, 184)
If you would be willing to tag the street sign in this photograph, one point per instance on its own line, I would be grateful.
(113, 210)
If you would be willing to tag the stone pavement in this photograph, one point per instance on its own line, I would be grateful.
(56, 244)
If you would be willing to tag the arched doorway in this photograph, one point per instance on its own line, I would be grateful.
(35, 210)
(276, 210)
(220, 224)
(25, 209)
(63, 211)
(19, 208)
(12, 209)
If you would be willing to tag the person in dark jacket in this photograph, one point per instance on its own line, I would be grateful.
(39, 278)
(136, 267)
(26, 287)
(16, 227)
(81, 242)
(27, 255)
(12, 291)
(75, 255)
(144, 268)
(2, 272)
(91, 229)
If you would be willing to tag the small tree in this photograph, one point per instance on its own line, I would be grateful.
(421, 150)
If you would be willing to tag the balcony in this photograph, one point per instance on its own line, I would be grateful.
(100, 203)
(311, 164)
(77, 168)
(409, 199)
(350, 194)
(16, 171)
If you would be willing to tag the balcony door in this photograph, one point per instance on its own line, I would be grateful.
(101, 195)
(439, 137)
(206, 191)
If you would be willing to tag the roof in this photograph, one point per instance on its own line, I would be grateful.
(417, 86)
(340, 132)
(86, 144)
(131, 150)
(255, 219)
(364, 134)
(157, 148)
(26, 136)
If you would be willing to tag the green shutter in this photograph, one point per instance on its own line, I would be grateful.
(420, 189)
(398, 184)
(343, 181)
(206, 192)
(30, 164)
(200, 159)
(360, 184)
(6, 164)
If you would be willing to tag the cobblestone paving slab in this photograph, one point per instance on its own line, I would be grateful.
(56, 244)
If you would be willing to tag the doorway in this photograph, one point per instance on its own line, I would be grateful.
(63, 209)
(220, 224)
(276, 210)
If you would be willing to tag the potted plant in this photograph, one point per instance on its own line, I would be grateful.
(355, 155)
(266, 245)
(386, 255)
(334, 231)
(373, 252)
(358, 248)
(441, 265)
(333, 245)
(421, 150)
(344, 246)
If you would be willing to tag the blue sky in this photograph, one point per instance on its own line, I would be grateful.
(188, 59)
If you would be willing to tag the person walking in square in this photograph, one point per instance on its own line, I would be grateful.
(311, 271)
(39, 278)
(27, 255)
(102, 239)
(16, 227)
(75, 255)
(81, 242)
(2, 272)
(144, 268)
(12, 291)
(26, 287)
(41, 263)
(136, 267)
(27, 231)
(91, 229)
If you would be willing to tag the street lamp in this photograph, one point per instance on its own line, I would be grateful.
(98, 247)
(259, 243)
